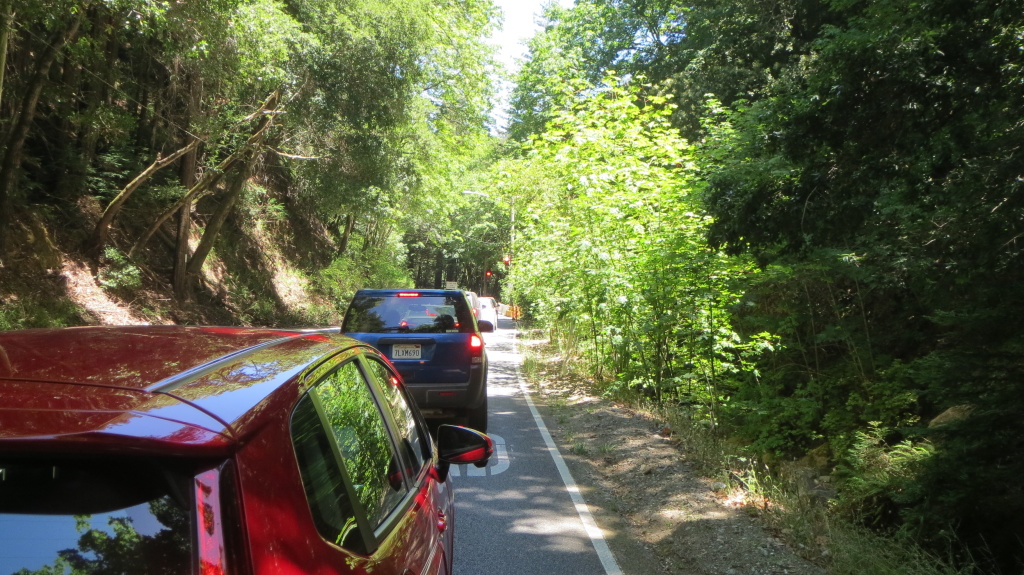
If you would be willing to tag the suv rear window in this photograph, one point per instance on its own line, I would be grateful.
(93, 517)
(410, 312)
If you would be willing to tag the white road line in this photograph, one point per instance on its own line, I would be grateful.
(604, 553)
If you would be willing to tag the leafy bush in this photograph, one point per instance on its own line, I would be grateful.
(260, 207)
(27, 311)
(118, 273)
(858, 551)
(876, 478)
(338, 281)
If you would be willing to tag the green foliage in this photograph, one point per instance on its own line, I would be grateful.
(268, 37)
(118, 273)
(876, 477)
(260, 207)
(554, 57)
(870, 180)
(251, 306)
(865, 155)
(855, 550)
(584, 43)
(382, 108)
(611, 250)
(340, 280)
(29, 311)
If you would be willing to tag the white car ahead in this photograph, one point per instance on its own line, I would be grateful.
(487, 309)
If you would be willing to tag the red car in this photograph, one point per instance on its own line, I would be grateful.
(218, 451)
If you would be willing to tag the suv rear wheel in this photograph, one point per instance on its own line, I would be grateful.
(476, 417)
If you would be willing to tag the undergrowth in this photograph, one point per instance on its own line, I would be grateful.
(19, 311)
(806, 519)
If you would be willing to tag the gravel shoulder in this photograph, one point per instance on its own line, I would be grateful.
(658, 513)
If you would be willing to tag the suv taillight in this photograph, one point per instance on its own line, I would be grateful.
(476, 348)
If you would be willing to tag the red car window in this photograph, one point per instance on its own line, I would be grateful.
(360, 433)
(412, 435)
(330, 500)
(92, 515)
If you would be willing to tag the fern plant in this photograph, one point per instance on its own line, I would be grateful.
(876, 477)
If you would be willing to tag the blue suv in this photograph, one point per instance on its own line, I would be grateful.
(435, 342)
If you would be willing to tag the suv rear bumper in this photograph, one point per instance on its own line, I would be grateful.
(431, 397)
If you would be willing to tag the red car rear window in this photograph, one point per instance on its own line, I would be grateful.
(94, 516)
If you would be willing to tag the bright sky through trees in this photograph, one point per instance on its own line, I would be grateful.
(520, 23)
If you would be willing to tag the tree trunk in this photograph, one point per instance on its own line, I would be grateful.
(350, 223)
(6, 20)
(102, 231)
(19, 131)
(188, 179)
(68, 163)
(213, 176)
(439, 270)
(209, 180)
(213, 227)
(249, 154)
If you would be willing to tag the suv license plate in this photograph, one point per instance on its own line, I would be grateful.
(405, 351)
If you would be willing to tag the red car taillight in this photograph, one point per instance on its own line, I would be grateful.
(212, 552)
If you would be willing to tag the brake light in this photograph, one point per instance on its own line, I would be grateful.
(408, 294)
(476, 349)
(212, 547)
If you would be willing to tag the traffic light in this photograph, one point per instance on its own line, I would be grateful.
(507, 260)
(487, 273)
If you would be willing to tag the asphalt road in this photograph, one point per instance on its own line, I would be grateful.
(521, 514)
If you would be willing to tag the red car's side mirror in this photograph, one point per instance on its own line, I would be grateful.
(459, 445)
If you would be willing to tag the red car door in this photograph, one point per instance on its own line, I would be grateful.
(366, 497)
(433, 500)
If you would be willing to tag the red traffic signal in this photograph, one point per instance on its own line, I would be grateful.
(487, 273)
(507, 260)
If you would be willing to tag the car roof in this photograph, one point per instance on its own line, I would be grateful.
(167, 390)
(422, 292)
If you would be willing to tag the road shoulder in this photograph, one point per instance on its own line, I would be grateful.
(659, 515)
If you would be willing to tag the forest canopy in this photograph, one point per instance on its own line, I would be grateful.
(168, 117)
